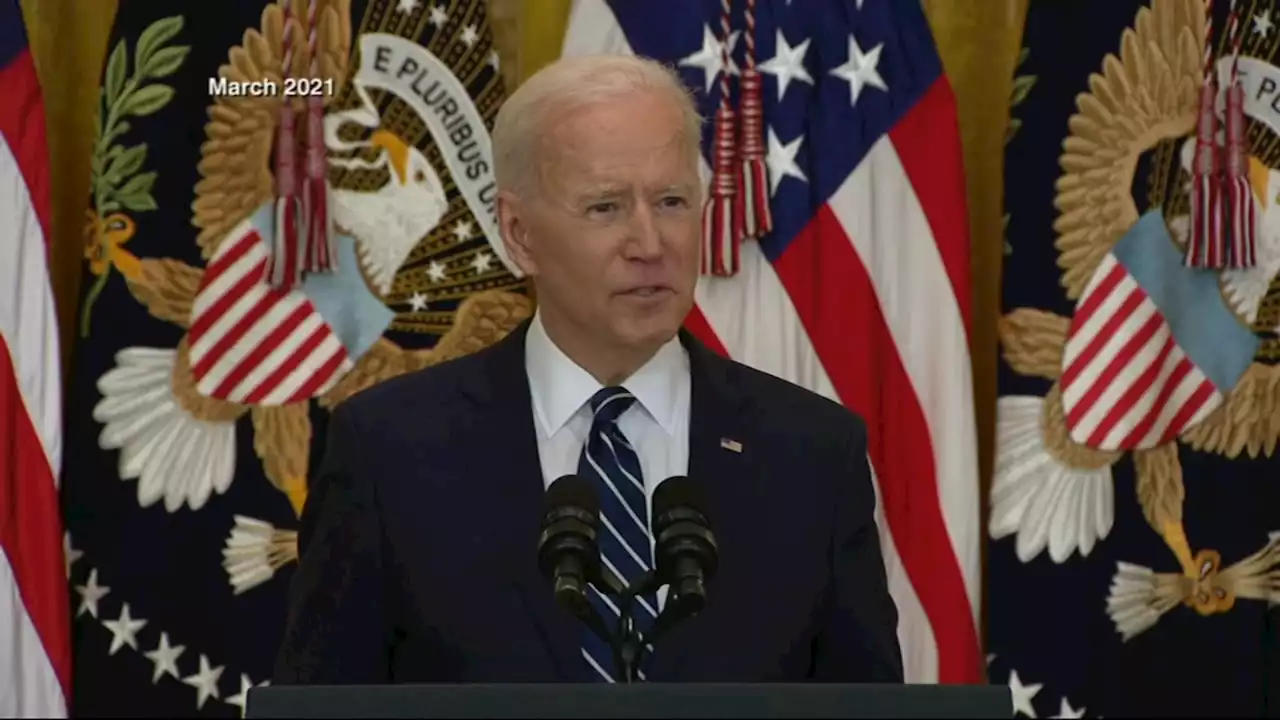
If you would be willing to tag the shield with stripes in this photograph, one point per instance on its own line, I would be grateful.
(253, 344)
(1153, 347)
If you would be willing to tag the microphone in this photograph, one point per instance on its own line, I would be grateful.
(685, 552)
(568, 551)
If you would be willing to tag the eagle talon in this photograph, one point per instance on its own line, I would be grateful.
(295, 488)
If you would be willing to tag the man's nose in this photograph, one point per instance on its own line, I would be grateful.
(645, 241)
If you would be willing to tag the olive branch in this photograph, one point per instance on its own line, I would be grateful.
(115, 180)
(1022, 85)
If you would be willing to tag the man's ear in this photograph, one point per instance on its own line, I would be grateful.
(514, 228)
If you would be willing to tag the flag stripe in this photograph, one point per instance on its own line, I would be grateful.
(931, 159)
(35, 646)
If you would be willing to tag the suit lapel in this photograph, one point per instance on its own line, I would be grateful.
(503, 462)
(720, 460)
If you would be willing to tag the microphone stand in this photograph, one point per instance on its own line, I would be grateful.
(630, 650)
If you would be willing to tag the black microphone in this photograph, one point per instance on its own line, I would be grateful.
(568, 551)
(685, 552)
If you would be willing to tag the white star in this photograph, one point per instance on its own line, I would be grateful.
(782, 161)
(435, 271)
(710, 59)
(438, 17)
(463, 230)
(482, 263)
(859, 4)
(406, 6)
(860, 70)
(240, 698)
(205, 682)
(469, 36)
(494, 60)
(165, 658)
(69, 553)
(1066, 711)
(90, 593)
(124, 630)
(1262, 24)
(1022, 694)
(787, 63)
(418, 302)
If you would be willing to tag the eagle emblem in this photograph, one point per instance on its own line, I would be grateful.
(417, 256)
(1156, 355)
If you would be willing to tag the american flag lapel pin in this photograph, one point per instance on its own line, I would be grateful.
(731, 445)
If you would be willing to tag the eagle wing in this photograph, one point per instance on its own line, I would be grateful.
(1147, 94)
(235, 159)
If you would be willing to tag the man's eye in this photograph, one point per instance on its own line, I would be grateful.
(604, 207)
(675, 201)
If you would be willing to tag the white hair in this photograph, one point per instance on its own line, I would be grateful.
(568, 84)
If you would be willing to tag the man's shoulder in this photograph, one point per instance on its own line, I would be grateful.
(793, 410)
(433, 391)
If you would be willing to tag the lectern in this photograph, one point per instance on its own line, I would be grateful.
(644, 700)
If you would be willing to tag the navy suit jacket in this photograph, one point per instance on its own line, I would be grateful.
(418, 539)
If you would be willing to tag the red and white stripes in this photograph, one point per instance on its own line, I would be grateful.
(35, 646)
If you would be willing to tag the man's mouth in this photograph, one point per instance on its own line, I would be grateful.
(647, 290)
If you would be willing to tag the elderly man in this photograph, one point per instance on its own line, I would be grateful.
(418, 541)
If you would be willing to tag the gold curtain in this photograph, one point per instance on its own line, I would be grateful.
(978, 41)
(68, 40)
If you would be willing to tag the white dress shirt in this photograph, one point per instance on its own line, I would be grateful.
(657, 424)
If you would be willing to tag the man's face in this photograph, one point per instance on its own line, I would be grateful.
(611, 235)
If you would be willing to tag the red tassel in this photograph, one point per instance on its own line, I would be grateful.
(752, 204)
(1241, 222)
(321, 253)
(1206, 244)
(284, 269)
(720, 230)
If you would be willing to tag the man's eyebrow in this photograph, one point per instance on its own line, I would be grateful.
(600, 192)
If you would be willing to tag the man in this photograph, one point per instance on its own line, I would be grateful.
(418, 541)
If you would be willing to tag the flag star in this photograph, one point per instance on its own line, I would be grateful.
(205, 682)
(494, 60)
(1022, 694)
(124, 630)
(710, 59)
(242, 697)
(418, 302)
(787, 63)
(1066, 711)
(782, 161)
(438, 17)
(406, 6)
(165, 658)
(1262, 24)
(463, 230)
(435, 271)
(470, 35)
(90, 594)
(860, 69)
(70, 554)
(483, 263)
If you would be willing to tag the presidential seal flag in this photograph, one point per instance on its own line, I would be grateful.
(1134, 558)
(291, 201)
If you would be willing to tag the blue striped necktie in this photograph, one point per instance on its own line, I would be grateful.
(609, 460)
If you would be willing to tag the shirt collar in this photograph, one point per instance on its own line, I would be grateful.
(560, 387)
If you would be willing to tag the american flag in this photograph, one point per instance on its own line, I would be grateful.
(861, 290)
(35, 642)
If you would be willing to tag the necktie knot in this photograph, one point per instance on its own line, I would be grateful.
(608, 404)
